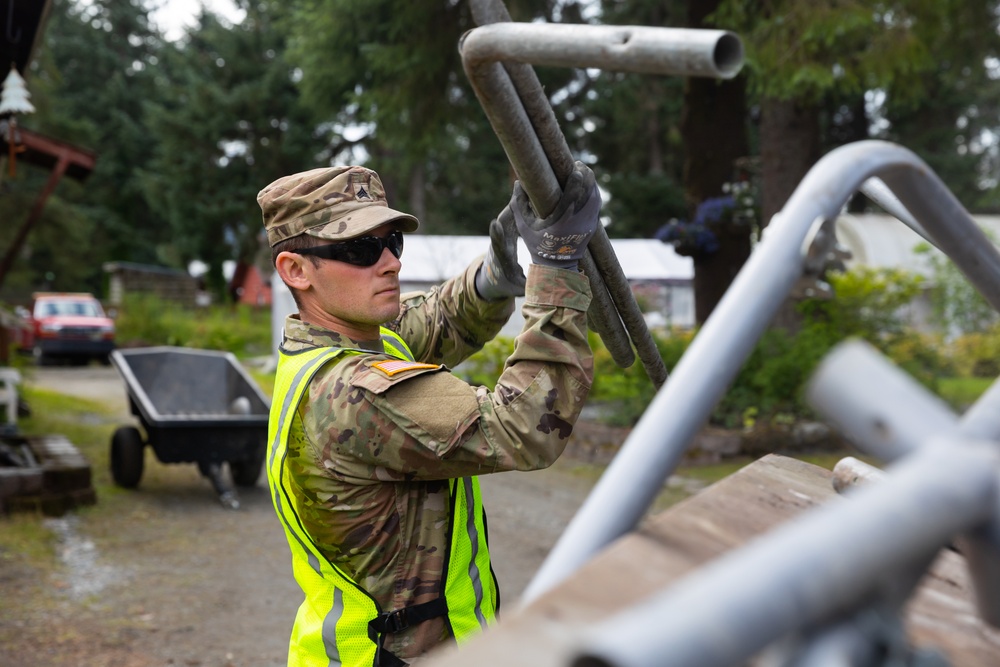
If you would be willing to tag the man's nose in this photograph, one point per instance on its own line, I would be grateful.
(389, 262)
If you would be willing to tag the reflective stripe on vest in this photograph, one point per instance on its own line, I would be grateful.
(331, 626)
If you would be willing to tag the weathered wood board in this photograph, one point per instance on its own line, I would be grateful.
(720, 518)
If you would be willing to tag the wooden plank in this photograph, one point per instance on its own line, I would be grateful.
(722, 517)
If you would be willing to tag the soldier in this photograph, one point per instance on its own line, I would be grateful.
(374, 445)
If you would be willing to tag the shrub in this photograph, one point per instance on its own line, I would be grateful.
(627, 391)
(977, 354)
(145, 320)
(484, 367)
(769, 386)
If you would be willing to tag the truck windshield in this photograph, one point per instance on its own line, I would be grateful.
(83, 308)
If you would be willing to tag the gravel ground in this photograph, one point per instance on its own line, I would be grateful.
(180, 580)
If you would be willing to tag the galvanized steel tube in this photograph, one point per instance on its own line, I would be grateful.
(680, 408)
(640, 49)
(512, 97)
(826, 562)
(889, 414)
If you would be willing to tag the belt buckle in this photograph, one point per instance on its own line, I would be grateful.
(396, 621)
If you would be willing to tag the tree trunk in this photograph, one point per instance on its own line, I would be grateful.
(713, 127)
(789, 147)
(418, 189)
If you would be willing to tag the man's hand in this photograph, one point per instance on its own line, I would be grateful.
(500, 276)
(560, 239)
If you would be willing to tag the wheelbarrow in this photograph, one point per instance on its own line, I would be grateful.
(195, 406)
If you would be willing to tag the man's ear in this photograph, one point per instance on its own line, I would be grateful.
(294, 269)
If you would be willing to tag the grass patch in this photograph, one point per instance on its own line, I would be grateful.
(88, 425)
(961, 392)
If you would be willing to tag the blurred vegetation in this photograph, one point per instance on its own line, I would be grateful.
(145, 320)
(869, 304)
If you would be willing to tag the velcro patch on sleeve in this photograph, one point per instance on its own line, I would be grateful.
(396, 366)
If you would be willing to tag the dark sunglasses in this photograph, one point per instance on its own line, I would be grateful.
(362, 251)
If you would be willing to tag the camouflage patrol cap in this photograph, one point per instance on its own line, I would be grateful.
(334, 203)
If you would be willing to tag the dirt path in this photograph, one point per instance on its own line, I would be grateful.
(179, 580)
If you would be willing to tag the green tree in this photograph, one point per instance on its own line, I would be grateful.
(228, 121)
(95, 71)
(636, 137)
(390, 74)
(800, 54)
(88, 83)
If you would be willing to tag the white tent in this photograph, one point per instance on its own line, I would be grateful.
(663, 277)
(882, 241)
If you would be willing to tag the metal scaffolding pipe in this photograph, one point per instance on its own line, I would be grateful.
(513, 99)
(656, 444)
(885, 411)
(819, 566)
(889, 414)
(640, 49)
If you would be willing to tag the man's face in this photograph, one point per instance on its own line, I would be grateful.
(354, 300)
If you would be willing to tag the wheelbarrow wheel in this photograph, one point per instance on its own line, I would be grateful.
(246, 472)
(127, 450)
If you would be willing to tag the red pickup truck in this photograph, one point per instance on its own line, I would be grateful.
(69, 325)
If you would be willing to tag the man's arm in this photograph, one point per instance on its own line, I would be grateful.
(429, 424)
(450, 322)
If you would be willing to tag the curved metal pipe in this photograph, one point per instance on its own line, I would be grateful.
(656, 444)
(801, 575)
(514, 101)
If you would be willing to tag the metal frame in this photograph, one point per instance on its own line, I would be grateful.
(681, 407)
(525, 123)
(943, 487)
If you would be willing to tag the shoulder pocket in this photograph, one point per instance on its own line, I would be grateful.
(379, 375)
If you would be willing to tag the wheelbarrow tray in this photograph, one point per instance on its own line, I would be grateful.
(195, 405)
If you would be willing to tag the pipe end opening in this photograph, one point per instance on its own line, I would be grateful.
(590, 661)
(728, 55)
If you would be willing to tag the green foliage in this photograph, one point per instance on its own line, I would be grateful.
(484, 367)
(806, 50)
(867, 302)
(977, 354)
(388, 76)
(627, 391)
(93, 75)
(961, 392)
(642, 203)
(228, 122)
(957, 307)
(768, 387)
(146, 320)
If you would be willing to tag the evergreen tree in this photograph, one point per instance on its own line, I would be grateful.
(228, 122)
(636, 136)
(802, 54)
(390, 74)
(96, 70)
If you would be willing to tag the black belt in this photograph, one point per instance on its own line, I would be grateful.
(396, 621)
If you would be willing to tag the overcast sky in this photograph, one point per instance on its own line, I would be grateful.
(177, 15)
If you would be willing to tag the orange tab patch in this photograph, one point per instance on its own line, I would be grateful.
(395, 366)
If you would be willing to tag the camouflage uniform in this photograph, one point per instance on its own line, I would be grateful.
(379, 448)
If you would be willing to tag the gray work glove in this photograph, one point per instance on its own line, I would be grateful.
(560, 240)
(500, 276)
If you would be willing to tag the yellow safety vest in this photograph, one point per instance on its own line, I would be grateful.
(339, 623)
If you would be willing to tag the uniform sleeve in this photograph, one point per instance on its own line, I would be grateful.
(429, 424)
(450, 322)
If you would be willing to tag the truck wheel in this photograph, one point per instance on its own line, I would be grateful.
(246, 472)
(127, 450)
